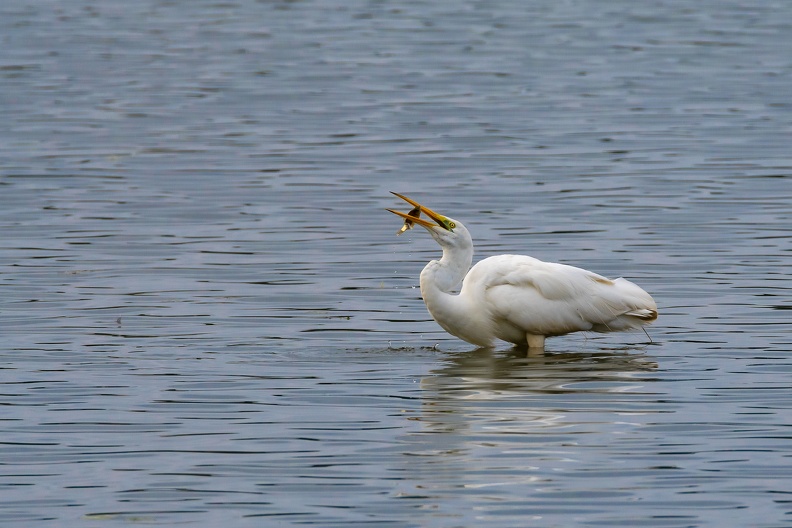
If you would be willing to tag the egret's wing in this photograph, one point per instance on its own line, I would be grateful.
(543, 299)
(550, 299)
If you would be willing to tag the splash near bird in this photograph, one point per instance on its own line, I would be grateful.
(517, 298)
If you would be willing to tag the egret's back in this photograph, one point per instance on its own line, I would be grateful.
(523, 295)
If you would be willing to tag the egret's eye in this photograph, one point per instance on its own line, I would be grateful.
(451, 225)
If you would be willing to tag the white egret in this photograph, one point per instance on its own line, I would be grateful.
(517, 298)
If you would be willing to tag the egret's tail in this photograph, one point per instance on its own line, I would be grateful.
(646, 315)
(636, 308)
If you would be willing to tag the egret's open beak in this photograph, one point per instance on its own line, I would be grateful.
(440, 219)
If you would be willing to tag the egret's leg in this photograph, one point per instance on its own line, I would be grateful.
(535, 341)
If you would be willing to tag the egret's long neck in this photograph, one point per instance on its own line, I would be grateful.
(439, 277)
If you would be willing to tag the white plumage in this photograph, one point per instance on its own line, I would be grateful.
(517, 298)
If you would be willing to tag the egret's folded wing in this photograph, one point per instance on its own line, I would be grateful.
(550, 299)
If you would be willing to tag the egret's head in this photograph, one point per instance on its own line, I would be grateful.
(446, 231)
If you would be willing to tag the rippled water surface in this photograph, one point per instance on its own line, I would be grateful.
(207, 318)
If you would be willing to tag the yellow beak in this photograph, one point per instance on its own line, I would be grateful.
(440, 219)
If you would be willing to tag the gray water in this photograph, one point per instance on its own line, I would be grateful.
(207, 318)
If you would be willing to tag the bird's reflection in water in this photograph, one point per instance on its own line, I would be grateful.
(482, 411)
(485, 372)
(507, 385)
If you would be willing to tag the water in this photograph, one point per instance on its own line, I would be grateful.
(207, 318)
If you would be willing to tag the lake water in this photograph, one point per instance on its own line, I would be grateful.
(207, 318)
